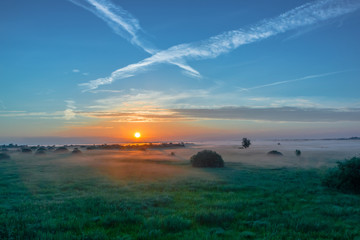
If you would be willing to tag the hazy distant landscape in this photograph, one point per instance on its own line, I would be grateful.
(156, 194)
(188, 119)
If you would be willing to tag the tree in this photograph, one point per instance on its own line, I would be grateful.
(246, 142)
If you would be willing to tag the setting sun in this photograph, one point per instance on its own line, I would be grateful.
(137, 135)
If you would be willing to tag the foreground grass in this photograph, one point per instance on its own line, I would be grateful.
(48, 198)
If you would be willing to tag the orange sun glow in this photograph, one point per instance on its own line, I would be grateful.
(137, 135)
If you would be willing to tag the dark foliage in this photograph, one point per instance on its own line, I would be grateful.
(26, 150)
(4, 156)
(274, 153)
(346, 177)
(76, 151)
(297, 152)
(207, 158)
(61, 150)
(246, 142)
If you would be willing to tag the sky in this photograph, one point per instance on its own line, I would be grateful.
(94, 71)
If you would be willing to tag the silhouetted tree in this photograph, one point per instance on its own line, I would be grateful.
(297, 152)
(246, 142)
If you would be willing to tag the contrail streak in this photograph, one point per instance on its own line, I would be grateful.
(125, 25)
(307, 14)
(290, 81)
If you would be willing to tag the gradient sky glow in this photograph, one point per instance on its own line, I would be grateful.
(93, 71)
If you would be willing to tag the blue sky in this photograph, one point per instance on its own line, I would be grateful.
(99, 69)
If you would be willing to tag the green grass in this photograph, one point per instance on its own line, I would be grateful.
(49, 198)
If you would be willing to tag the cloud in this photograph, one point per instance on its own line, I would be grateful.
(75, 70)
(290, 81)
(305, 15)
(273, 114)
(125, 25)
(137, 115)
(69, 112)
(283, 114)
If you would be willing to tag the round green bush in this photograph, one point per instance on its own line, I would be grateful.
(346, 177)
(61, 150)
(207, 158)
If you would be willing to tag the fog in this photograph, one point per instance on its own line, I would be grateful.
(161, 165)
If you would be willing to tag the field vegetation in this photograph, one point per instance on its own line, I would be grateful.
(109, 194)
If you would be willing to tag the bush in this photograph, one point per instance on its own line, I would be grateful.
(297, 152)
(61, 150)
(246, 142)
(346, 177)
(274, 153)
(76, 151)
(4, 156)
(26, 150)
(207, 158)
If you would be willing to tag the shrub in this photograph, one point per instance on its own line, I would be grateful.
(207, 158)
(297, 152)
(76, 151)
(4, 156)
(274, 153)
(346, 177)
(26, 150)
(61, 150)
(246, 142)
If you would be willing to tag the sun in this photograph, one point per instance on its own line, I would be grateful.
(137, 135)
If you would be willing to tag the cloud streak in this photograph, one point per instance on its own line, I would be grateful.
(128, 27)
(305, 15)
(282, 114)
(289, 81)
(272, 114)
(69, 112)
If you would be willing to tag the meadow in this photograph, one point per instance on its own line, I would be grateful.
(152, 194)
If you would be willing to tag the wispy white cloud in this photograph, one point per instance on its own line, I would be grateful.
(305, 15)
(127, 26)
(283, 114)
(289, 81)
(75, 70)
(69, 112)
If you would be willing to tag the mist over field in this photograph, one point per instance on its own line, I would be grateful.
(155, 193)
(191, 119)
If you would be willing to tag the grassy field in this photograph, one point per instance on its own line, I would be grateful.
(151, 195)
